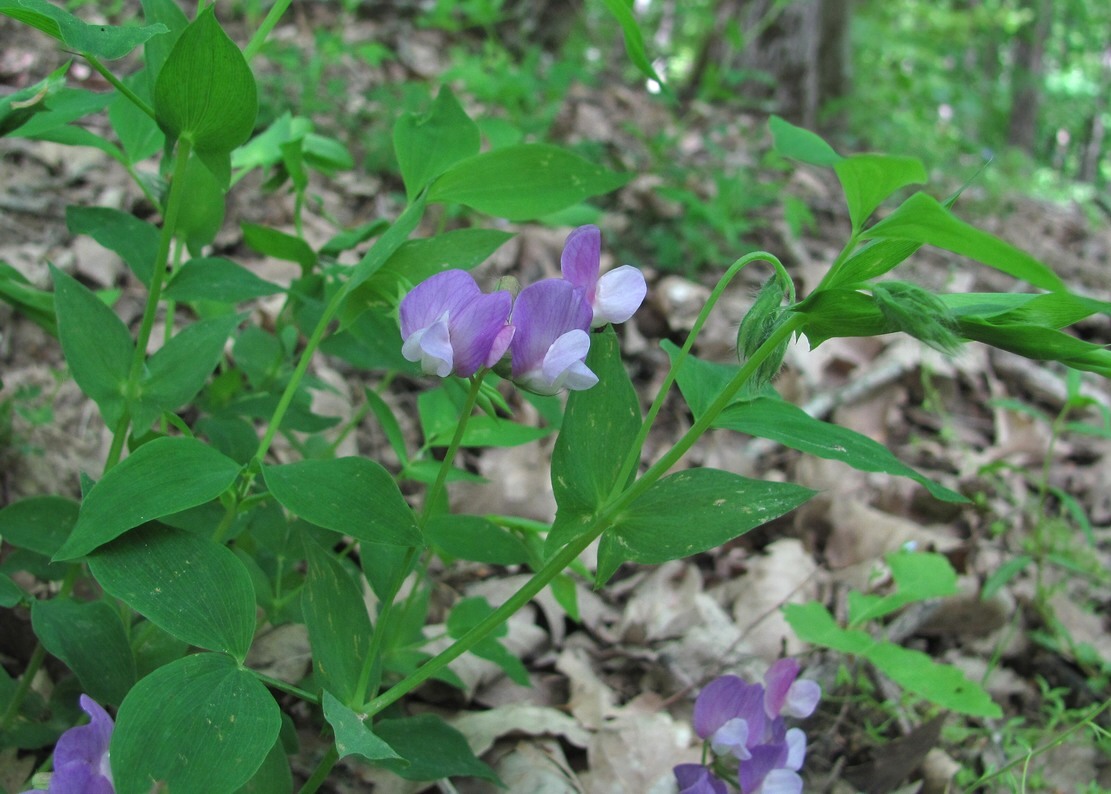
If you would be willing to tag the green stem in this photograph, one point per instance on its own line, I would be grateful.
(633, 458)
(602, 519)
(1049, 745)
(453, 447)
(38, 656)
(321, 772)
(277, 683)
(373, 663)
(157, 276)
(100, 69)
(528, 591)
(272, 17)
(703, 423)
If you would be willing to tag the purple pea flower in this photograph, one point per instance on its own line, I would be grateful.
(746, 721)
(450, 325)
(81, 755)
(729, 713)
(697, 779)
(549, 348)
(613, 297)
(786, 696)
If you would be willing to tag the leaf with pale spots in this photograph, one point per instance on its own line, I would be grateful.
(191, 587)
(353, 735)
(693, 511)
(336, 616)
(199, 725)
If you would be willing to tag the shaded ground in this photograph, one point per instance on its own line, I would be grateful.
(611, 697)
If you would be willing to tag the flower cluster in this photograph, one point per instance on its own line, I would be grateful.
(81, 755)
(449, 325)
(744, 723)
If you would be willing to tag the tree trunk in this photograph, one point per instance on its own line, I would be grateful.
(800, 49)
(1026, 76)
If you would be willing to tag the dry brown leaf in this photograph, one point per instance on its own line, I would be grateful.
(483, 728)
(282, 652)
(783, 574)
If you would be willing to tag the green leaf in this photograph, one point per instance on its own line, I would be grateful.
(524, 182)
(165, 476)
(354, 496)
(917, 578)
(599, 427)
(91, 640)
(180, 368)
(353, 736)
(158, 48)
(274, 776)
(923, 219)
(800, 144)
(200, 725)
(693, 511)
(467, 614)
(205, 91)
(202, 207)
(17, 108)
(431, 748)
(622, 11)
(869, 261)
(96, 344)
(101, 41)
(35, 304)
(217, 279)
(191, 587)
(476, 539)
(134, 240)
(428, 144)
(387, 244)
(139, 134)
(39, 523)
(869, 179)
(279, 245)
(416, 260)
(337, 620)
(943, 685)
(778, 420)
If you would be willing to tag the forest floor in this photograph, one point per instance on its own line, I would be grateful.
(611, 696)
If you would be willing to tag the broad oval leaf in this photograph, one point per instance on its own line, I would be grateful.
(134, 240)
(205, 91)
(39, 523)
(199, 725)
(355, 496)
(524, 182)
(693, 511)
(90, 639)
(165, 476)
(192, 587)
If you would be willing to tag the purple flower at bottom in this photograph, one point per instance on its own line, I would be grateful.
(697, 779)
(81, 755)
(729, 713)
(450, 325)
(614, 296)
(786, 696)
(550, 344)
